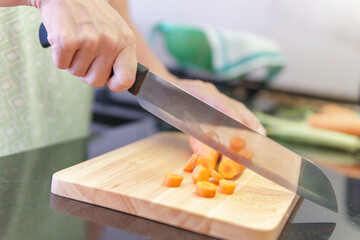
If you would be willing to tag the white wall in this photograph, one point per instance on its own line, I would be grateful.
(320, 38)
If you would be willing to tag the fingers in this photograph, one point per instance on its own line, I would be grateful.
(63, 52)
(93, 57)
(64, 41)
(243, 114)
(85, 54)
(90, 40)
(125, 67)
(194, 144)
(95, 69)
(224, 103)
(247, 117)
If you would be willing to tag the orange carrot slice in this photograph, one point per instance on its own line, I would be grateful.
(237, 143)
(191, 162)
(229, 168)
(226, 186)
(217, 176)
(246, 153)
(212, 180)
(172, 180)
(205, 189)
(200, 173)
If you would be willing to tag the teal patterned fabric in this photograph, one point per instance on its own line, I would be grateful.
(39, 104)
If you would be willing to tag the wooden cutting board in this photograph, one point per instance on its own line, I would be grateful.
(129, 179)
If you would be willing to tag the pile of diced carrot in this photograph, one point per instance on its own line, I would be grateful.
(203, 164)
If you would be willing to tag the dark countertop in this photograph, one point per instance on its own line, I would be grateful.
(29, 211)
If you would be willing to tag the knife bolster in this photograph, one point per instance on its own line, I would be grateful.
(140, 76)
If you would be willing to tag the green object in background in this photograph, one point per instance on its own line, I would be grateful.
(223, 54)
(301, 132)
(187, 44)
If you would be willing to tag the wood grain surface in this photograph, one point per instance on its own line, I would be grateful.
(129, 179)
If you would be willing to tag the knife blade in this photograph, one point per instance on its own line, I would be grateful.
(214, 128)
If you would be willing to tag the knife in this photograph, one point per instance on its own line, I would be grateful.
(215, 129)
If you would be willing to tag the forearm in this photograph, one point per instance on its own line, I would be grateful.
(147, 57)
(144, 53)
(13, 3)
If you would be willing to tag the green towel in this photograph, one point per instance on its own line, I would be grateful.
(222, 53)
(39, 104)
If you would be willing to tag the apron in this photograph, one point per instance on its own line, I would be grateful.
(39, 104)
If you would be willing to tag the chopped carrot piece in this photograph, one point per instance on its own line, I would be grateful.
(212, 180)
(246, 153)
(191, 162)
(217, 176)
(205, 189)
(237, 143)
(226, 186)
(206, 162)
(229, 168)
(172, 180)
(200, 173)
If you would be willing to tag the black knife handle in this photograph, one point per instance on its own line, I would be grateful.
(43, 36)
(140, 73)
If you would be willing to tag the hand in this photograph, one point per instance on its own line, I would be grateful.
(209, 93)
(89, 39)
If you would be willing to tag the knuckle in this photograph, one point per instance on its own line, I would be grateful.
(58, 62)
(77, 72)
(69, 43)
(110, 42)
(59, 65)
(94, 82)
(128, 38)
(91, 43)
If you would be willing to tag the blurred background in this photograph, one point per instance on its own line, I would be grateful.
(320, 39)
(288, 61)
